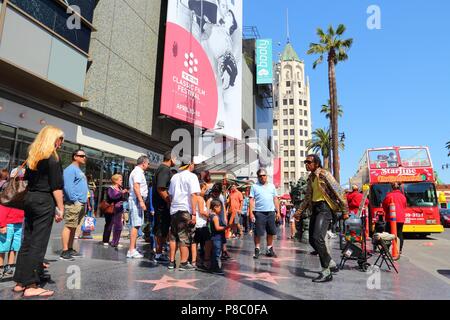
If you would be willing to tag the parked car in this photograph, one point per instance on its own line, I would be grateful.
(445, 217)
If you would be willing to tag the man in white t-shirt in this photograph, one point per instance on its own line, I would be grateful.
(136, 203)
(183, 190)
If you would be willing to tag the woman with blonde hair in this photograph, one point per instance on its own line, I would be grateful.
(113, 222)
(45, 196)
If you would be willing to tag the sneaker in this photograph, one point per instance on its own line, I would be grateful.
(162, 259)
(270, 253)
(65, 255)
(74, 253)
(105, 244)
(257, 253)
(218, 271)
(331, 235)
(9, 271)
(1, 273)
(172, 265)
(201, 267)
(134, 255)
(186, 267)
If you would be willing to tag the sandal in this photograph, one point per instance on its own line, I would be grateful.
(18, 289)
(44, 293)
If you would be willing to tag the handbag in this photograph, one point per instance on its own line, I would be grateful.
(14, 191)
(106, 208)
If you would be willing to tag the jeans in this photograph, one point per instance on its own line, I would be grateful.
(217, 241)
(39, 215)
(113, 222)
(318, 227)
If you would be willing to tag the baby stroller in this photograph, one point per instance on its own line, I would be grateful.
(355, 238)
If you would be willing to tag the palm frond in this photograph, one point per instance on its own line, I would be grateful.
(340, 29)
(317, 62)
(330, 31)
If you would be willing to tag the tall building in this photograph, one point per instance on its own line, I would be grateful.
(292, 116)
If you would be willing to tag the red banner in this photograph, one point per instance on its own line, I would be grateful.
(277, 172)
(389, 175)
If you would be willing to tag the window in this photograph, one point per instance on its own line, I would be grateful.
(275, 122)
(286, 143)
(302, 165)
(305, 103)
(300, 102)
(285, 102)
(286, 175)
(305, 113)
(301, 132)
(306, 133)
(291, 101)
(302, 153)
(286, 164)
(378, 193)
(288, 83)
(291, 122)
(286, 153)
(302, 143)
(275, 132)
(299, 84)
(291, 111)
(54, 16)
(301, 122)
(420, 194)
(306, 122)
(292, 142)
(285, 122)
(292, 132)
(292, 153)
(293, 164)
(413, 157)
(292, 175)
(300, 112)
(286, 187)
(285, 132)
(285, 112)
(276, 103)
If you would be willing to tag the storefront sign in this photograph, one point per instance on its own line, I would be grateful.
(264, 67)
(202, 73)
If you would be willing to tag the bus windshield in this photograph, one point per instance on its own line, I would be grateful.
(420, 194)
(378, 193)
(383, 159)
(414, 157)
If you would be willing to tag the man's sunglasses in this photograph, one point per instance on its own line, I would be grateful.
(80, 155)
(262, 175)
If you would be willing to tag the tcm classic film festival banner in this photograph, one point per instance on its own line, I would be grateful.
(202, 77)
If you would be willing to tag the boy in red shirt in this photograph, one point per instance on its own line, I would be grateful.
(11, 221)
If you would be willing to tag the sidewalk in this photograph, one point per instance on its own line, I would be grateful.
(105, 273)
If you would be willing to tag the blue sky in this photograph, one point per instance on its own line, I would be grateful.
(395, 87)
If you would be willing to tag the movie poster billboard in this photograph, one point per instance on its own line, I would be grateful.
(202, 73)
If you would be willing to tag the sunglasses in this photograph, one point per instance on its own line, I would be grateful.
(307, 162)
(80, 155)
(263, 175)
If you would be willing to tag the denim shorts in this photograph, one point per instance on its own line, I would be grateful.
(136, 213)
(265, 222)
(12, 240)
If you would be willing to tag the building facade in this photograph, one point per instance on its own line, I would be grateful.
(292, 116)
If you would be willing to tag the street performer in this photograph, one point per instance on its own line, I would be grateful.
(324, 197)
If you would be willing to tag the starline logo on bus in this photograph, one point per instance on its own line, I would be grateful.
(399, 172)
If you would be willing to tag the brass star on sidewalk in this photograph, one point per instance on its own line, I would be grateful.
(263, 276)
(168, 282)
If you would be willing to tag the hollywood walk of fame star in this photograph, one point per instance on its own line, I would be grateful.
(168, 282)
(263, 276)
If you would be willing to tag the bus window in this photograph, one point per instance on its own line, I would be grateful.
(414, 157)
(420, 194)
(382, 159)
(378, 193)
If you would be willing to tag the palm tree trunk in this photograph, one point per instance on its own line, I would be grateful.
(334, 116)
(326, 162)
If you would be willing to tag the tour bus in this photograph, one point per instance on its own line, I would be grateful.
(412, 167)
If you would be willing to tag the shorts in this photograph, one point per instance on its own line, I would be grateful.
(136, 213)
(202, 235)
(265, 222)
(12, 240)
(180, 230)
(237, 219)
(73, 214)
(162, 223)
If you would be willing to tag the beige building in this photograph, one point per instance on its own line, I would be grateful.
(292, 116)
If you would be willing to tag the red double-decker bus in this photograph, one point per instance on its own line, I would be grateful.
(412, 167)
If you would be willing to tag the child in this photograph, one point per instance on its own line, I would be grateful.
(202, 234)
(11, 221)
(218, 226)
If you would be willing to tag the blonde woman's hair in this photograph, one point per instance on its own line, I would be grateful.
(44, 146)
(116, 178)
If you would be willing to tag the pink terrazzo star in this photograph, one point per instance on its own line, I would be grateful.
(263, 276)
(168, 282)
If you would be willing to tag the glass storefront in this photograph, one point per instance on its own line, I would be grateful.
(100, 166)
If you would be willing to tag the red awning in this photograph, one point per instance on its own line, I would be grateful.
(285, 196)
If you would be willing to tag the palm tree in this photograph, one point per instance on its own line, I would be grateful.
(336, 50)
(448, 147)
(326, 109)
(321, 141)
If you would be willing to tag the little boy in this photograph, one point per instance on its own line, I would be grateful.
(218, 226)
(11, 221)
(202, 234)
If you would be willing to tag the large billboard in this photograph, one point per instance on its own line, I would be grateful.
(264, 68)
(202, 75)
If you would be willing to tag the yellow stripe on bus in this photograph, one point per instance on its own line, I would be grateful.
(423, 228)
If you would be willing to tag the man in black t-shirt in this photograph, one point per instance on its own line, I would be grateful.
(161, 203)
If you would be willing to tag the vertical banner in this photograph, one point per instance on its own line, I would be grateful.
(264, 67)
(202, 73)
(277, 172)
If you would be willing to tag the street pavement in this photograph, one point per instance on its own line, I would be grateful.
(105, 273)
